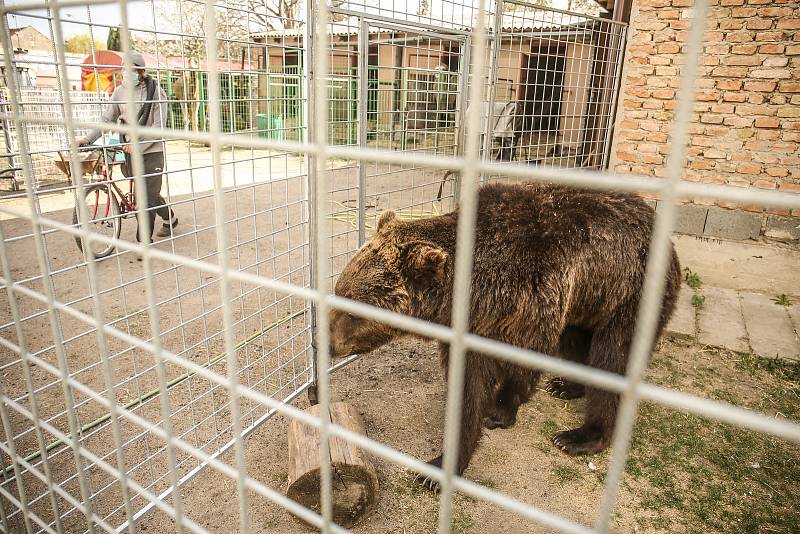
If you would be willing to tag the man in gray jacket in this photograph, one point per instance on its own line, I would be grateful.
(150, 103)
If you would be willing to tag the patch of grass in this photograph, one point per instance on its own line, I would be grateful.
(724, 395)
(549, 428)
(776, 367)
(782, 300)
(566, 473)
(462, 520)
(702, 475)
(691, 278)
(698, 300)
(491, 484)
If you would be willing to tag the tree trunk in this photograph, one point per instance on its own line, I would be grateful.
(355, 481)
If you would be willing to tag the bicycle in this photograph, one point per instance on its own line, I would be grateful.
(106, 203)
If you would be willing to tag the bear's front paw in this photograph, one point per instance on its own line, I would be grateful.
(582, 440)
(427, 482)
(561, 388)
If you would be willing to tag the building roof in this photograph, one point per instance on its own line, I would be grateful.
(106, 60)
(569, 23)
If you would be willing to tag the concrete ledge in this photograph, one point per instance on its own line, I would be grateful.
(732, 224)
(735, 225)
(783, 228)
(691, 219)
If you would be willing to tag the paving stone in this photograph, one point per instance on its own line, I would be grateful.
(683, 323)
(769, 327)
(719, 319)
(794, 315)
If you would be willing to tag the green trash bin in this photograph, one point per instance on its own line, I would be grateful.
(270, 126)
(276, 128)
(262, 124)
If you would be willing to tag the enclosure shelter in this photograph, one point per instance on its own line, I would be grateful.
(124, 381)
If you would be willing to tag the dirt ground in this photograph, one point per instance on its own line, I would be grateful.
(267, 233)
(399, 392)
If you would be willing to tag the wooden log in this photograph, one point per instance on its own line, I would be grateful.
(355, 481)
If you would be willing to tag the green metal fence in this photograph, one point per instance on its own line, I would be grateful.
(271, 103)
(188, 92)
(281, 112)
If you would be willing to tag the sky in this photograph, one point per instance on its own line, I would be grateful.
(101, 14)
(140, 15)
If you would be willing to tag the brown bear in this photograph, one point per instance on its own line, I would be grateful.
(556, 270)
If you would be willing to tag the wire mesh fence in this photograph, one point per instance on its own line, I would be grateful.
(123, 379)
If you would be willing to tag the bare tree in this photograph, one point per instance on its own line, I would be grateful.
(509, 7)
(424, 9)
(584, 7)
(270, 15)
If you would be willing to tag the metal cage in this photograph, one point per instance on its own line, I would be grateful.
(287, 135)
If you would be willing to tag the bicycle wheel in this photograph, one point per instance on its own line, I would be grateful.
(103, 210)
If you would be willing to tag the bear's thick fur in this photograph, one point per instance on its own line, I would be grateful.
(556, 270)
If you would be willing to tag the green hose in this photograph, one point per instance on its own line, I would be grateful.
(154, 392)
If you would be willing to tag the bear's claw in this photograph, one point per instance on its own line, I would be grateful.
(580, 441)
(428, 483)
(561, 388)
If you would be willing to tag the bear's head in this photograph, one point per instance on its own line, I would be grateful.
(388, 272)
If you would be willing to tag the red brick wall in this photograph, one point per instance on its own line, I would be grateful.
(746, 122)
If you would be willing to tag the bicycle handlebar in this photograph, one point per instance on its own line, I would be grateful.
(110, 148)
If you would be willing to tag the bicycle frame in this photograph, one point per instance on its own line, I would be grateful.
(127, 201)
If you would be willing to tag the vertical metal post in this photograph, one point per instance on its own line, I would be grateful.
(462, 278)
(488, 129)
(658, 259)
(322, 267)
(137, 164)
(91, 267)
(310, 162)
(363, 124)
(612, 108)
(462, 103)
(47, 280)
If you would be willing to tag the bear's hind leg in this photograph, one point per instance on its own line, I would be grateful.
(609, 351)
(574, 346)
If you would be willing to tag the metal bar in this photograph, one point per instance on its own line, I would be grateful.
(488, 129)
(549, 9)
(390, 22)
(363, 124)
(462, 102)
(612, 109)
(215, 129)
(465, 241)
(102, 341)
(575, 177)
(310, 161)
(42, 260)
(658, 260)
(144, 232)
(320, 18)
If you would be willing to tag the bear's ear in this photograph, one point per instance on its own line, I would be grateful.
(384, 220)
(422, 262)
